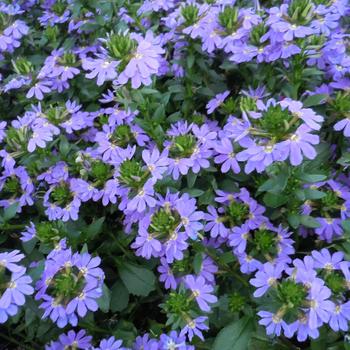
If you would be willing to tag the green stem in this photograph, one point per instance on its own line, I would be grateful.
(9, 227)
(13, 341)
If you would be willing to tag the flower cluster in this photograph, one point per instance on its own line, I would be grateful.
(69, 286)
(307, 294)
(172, 172)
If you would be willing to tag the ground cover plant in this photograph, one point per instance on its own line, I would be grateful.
(174, 174)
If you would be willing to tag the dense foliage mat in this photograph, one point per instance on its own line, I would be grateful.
(174, 174)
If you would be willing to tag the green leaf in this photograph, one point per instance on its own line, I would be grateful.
(94, 228)
(313, 194)
(104, 301)
(193, 192)
(294, 220)
(197, 263)
(275, 200)
(10, 212)
(276, 184)
(137, 279)
(119, 297)
(191, 179)
(309, 221)
(311, 178)
(314, 100)
(235, 336)
(29, 245)
(190, 61)
(346, 225)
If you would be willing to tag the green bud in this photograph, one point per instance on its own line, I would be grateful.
(120, 46)
(17, 140)
(59, 7)
(182, 146)
(61, 195)
(132, 174)
(291, 294)
(68, 59)
(236, 302)
(300, 11)
(341, 104)
(257, 33)
(11, 188)
(335, 282)
(52, 33)
(275, 121)
(22, 66)
(190, 14)
(237, 213)
(48, 231)
(177, 303)
(247, 104)
(122, 136)
(100, 171)
(67, 284)
(230, 106)
(228, 18)
(164, 223)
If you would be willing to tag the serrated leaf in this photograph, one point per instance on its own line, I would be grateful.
(137, 279)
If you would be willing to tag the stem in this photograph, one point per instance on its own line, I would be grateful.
(12, 227)
(13, 341)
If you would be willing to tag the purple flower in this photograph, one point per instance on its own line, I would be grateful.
(201, 291)
(216, 101)
(320, 306)
(144, 62)
(39, 89)
(156, 163)
(301, 327)
(214, 224)
(17, 288)
(79, 340)
(266, 277)
(166, 275)
(239, 237)
(102, 68)
(173, 341)
(344, 125)
(291, 31)
(340, 317)
(324, 260)
(146, 245)
(190, 217)
(195, 327)
(273, 322)
(226, 156)
(145, 343)
(309, 117)
(70, 286)
(8, 260)
(143, 199)
(300, 144)
(109, 344)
